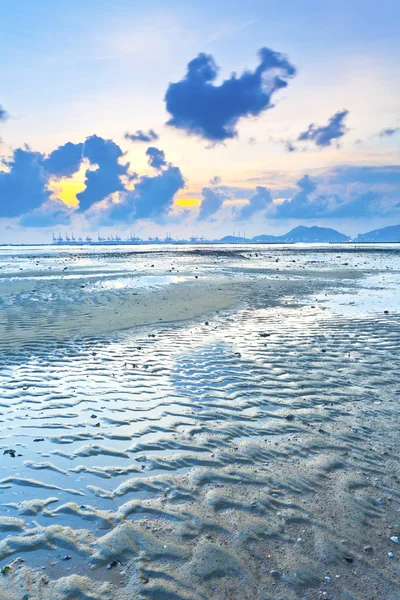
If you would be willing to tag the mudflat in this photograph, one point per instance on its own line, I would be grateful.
(200, 423)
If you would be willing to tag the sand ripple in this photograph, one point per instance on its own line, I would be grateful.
(255, 453)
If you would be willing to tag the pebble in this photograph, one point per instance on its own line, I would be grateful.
(390, 554)
(395, 539)
(327, 579)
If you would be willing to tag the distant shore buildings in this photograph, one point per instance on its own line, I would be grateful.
(117, 240)
(301, 234)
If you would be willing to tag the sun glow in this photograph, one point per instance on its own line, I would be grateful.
(187, 202)
(67, 188)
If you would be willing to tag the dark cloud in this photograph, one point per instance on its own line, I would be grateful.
(49, 214)
(323, 136)
(210, 111)
(307, 185)
(215, 180)
(387, 177)
(211, 202)
(23, 186)
(389, 131)
(152, 198)
(24, 194)
(3, 114)
(345, 192)
(65, 160)
(363, 204)
(106, 179)
(260, 200)
(290, 147)
(104, 155)
(156, 157)
(142, 136)
(301, 205)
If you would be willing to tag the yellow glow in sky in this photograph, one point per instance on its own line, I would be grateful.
(187, 202)
(66, 188)
(195, 202)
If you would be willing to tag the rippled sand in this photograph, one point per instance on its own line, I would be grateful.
(219, 425)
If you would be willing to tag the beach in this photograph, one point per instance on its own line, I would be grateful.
(200, 422)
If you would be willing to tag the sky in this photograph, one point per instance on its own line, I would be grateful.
(198, 119)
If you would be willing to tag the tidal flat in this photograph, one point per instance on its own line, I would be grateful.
(195, 423)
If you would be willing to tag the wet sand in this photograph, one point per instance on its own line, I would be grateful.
(233, 436)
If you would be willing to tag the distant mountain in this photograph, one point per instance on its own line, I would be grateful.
(314, 234)
(387, 234)
(232, 239)
(304, 234)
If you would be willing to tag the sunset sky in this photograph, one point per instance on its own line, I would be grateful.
(198, 118)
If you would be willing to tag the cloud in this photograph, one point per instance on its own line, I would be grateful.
(260, 200)
(301, 205)
(152, 196)
(386, 176)
(142, 136)
(290, 147)
(156, 157)
(323, 136)
(151, 199)
(389, 131)
(26, 175)
(106, 179)
(307, 185)
(3, 114)
(215, 180)
(49, 214)
(365, 204)
(23, 185)
(199, 107)
(344, 192)
(211, 202)
(65, 160)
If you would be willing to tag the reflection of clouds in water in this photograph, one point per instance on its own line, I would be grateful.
(374, 294)
(69, 288)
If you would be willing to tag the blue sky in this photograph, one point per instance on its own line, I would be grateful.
(320, 100)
